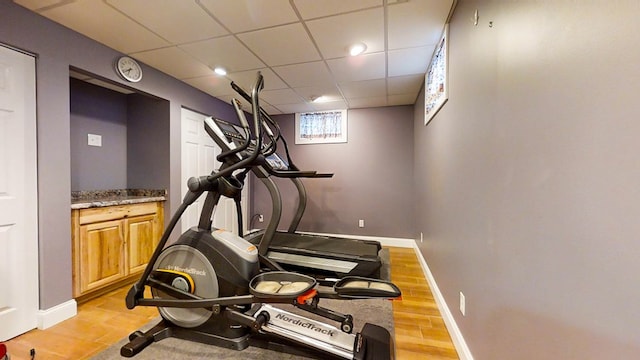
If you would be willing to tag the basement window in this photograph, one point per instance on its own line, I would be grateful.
(321, 127)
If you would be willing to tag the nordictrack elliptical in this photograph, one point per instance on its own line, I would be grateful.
(212, 286)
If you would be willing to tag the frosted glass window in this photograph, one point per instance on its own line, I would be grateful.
(321, 127)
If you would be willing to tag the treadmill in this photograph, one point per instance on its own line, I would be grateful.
(321, 256)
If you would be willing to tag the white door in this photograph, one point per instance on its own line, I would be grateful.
(18, 195)
(199, 153)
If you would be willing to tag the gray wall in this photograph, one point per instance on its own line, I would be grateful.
(372, 177)
(148, 140)
(96, 110)
(527, 179)
(135, 139)
(57, 48)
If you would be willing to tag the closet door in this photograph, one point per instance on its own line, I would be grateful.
(199, 153)
(19, 298)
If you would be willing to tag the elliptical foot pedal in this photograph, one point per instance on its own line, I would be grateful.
(280, 284)
(366, 288)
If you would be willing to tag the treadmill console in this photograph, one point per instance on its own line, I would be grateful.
(229, 136)
(276, 162)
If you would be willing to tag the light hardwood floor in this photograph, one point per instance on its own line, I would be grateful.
(420, 332)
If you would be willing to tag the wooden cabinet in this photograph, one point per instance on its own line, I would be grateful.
(143, 235)
(101, 250)
(112, 245)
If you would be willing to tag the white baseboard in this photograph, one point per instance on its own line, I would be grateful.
(456, 336)
(384, 241)
(48, 318)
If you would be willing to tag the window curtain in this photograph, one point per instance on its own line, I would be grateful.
(321, 125)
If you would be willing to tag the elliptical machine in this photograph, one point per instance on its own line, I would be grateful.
(211, 286)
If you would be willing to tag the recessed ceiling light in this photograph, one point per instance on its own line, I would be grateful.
(357, 49)
(220, 71)
(317, 99)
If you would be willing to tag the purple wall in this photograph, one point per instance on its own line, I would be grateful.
(148, 140)
(372, 177)
(527, 179)
(135, 139)
(99, 111)
(57, 48)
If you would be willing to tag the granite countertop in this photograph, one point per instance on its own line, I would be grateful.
(102, 198)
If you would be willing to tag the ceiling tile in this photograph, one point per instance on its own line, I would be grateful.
(280, 97)
(245, 15)
(310, 9)
(409, 61)
(334, 35)
(110, 28)
(38, 4)
(226, 51)
(270, 109)
(361, 89)
(329, 92)
(358, 68)
(417, 23)
(330, 105)
(283, 45)
(405, 84)
(174, 62)
(246, 79)
(306, 74)
(295, 108)
(213, 85)
(245, 105)
(408, 99)
(368, 102)
(177, 21)
(185, 39)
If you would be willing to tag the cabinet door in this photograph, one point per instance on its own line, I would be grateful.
(101, 254)
(143, 233)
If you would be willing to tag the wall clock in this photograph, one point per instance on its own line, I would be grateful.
(129, 69)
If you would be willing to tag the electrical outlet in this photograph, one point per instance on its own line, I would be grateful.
(361, 223)
(94, 140)
(463, 307)
(260, 218)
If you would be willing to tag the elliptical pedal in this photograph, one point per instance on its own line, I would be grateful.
(365, 288)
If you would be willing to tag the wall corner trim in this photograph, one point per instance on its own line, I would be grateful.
(456, 336)
(50, 317)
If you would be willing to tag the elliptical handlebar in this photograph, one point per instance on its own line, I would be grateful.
(245, 127)
(201, 183)
(255, 104)
(268, 121)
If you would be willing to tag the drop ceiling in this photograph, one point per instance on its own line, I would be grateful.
(300, 46)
